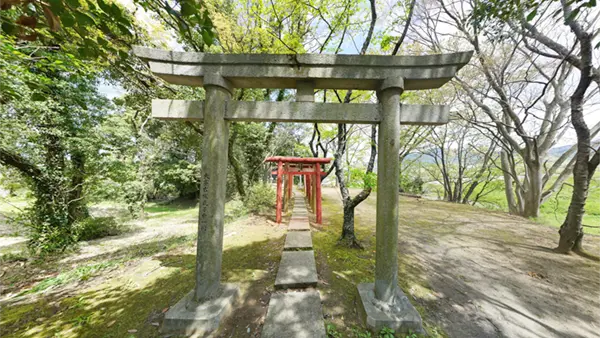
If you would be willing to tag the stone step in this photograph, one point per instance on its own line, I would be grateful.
(294, 315)
(297, 269)
(299, 224)
(298, 240)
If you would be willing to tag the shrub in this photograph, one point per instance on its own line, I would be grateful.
(260, 198)
(98, 227)
(234, 209)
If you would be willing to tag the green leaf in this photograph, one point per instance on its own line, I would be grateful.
(37, 96)
(74, 4)
(573, 14)
(8, 27)
(84, 19)
(188, 8)
(104, 6)
(207, 38)
(57, 6)
(532, 15)
(67, 20)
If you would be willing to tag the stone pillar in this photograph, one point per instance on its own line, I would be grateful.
(383, 304)
(212, 194)
(388, 175)
(201, 310)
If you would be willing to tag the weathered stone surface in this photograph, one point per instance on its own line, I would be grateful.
(364, 72)
(192, 318)
(388, 171)
(297, 269)
(403, 319)
(209, 250)
(299, 224)
(294, 315)
(296, 240)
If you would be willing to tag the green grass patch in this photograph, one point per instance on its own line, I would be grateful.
(344, 268)
(81, 273)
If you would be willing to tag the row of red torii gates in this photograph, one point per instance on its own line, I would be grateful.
(307, 167)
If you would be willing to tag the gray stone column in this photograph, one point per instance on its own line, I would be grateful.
(388, 172)
(209, 252)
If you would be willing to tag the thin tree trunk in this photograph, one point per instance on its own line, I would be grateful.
(508, 184)
(571, 231)
(77, 205)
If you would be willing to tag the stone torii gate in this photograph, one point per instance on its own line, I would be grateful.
(382, 303)
(310, 169)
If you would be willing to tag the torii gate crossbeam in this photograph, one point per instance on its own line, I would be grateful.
(382, 302)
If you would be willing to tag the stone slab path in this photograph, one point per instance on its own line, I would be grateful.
(297, 269)
(296, 313)
(298, 240)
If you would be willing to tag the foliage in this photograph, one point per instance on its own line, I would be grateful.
(260, 198)
(234, 209)
(411, 185)
(97, 227)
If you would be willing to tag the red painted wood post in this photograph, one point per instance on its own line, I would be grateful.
(307, 187)
(290, 184)
(318, 192)
(279, 197)
(314, 191)
(284, 185)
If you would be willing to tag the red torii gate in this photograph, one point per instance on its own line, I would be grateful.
(310, 169)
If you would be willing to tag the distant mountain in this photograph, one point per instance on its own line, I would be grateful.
(557, 151)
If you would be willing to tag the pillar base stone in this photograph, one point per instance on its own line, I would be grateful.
(195, 319)
(403, 319)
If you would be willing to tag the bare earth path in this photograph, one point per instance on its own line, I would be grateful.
(489, 274)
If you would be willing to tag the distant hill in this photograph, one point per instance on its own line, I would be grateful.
(557, 151)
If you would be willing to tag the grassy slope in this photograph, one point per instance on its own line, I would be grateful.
(554, 210)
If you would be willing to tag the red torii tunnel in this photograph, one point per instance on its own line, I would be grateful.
(310, 169)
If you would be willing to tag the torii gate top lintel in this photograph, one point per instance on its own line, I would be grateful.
(308, 160)
(325, 71)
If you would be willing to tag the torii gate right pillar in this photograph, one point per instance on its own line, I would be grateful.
(383, 304)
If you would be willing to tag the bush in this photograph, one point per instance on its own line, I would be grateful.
(98, 227)
(234, 209)
(411, 185)
(260, 198)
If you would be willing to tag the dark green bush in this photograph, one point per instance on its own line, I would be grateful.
(260, 198)
(98, 227)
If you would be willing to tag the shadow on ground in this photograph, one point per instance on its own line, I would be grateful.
(131, 311)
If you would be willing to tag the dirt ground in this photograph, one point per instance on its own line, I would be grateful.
(489, 274)
(469, 272)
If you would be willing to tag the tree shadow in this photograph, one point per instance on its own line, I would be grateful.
(124, 310)
(509, 288)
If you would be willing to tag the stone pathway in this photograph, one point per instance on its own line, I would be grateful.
(295, 311)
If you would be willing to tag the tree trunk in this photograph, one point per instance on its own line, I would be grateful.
(571, 231)
(508, 184)
(235, 164)
(533, 195)
(77, 206)
(348, 236)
